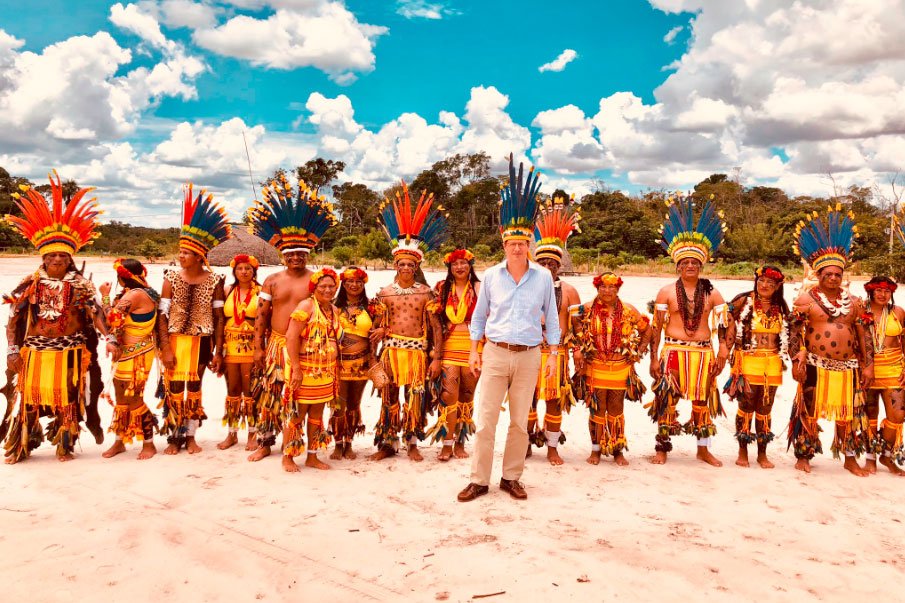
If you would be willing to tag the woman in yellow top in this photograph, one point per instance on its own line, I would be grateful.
(240, 311)
(132, 317)
(885, 321)
(757, 336)
(312, 350)
(359, 317)
(456, 299)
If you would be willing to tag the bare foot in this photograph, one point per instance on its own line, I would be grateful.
(742, 460)
(65, 457)
(11, 460)
(803, 465)
(289, 465)
(192, 446)
(528, 453)
(870, 465)
(260, 453)
(315, 463)
(117, 448)
(171, 449)
(764, 462)
(620, 459)
(148, 449)
(852, 466)
(594, 459)
(337, 452)
(445, 454)
(348, 454)
(705, 455)
(252, 443)
(459, 451)
(382, 453)
(98, 433)
(414, 454)
(231, 440)
(659, 458)
(553, 456)
(891, 465)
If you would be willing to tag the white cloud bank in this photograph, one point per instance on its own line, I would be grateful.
(559, 63)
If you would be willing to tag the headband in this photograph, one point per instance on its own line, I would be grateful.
(353, 273)
(125, 273)
(317, 276)
(458, 254)
(244, 258)
(608, 278)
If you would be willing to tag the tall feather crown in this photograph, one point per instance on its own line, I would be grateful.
(557, 219)
(683, 238)
(204, 222)
(291, 220)
(413, 231)
(60, 227)
(518, 203)
(826, 241)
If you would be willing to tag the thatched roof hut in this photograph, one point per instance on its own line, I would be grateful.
(244, 242)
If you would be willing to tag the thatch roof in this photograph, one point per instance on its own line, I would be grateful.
(244, 242)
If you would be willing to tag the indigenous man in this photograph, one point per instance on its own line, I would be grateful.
(293, 224)
(515, 298)
(312, 346)
(457, 295)
(832, 351)
(756, 337)
(190, 320)
(50, 312)
(556, 221)
(409, 317)
(610, 337)
(885, 327)
(686, 368)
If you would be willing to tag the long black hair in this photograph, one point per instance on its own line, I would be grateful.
(254, 275)
(876, 280)
(777, 299)
(342, 299)
(447, 284)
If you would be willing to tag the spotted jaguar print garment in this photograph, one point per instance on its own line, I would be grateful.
(192, 308)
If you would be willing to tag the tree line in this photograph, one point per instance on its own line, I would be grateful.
(616, 228)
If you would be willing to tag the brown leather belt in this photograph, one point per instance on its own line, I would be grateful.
(513, 347)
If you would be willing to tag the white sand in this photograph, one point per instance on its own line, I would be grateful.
(213, 527)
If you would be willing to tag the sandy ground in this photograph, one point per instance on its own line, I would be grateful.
(213, 527)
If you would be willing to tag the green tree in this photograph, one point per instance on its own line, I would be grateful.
(150, 249)
(375, 247)
(344, 256)
(318, 172)
(358, 207)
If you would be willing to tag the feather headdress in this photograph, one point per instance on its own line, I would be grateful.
(291, 220)
(557, 219)
(204, 222)
(683, 238)
(61, 227)
(518, 203)
(826, 241)
(413, 231)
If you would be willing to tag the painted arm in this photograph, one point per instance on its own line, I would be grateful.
(216, 364)
(262, 322)
(163, 326)
(659, 314)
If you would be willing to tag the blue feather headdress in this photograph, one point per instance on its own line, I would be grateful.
(518, 204)
(413, 232)
(204, 223)
(290, 220)
(823, 242)
(682, 238)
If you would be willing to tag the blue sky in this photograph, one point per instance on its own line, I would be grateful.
(137, 97)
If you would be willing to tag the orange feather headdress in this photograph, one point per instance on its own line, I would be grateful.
(556, 221)
(204, 223)
(413, 233)
(60, 227)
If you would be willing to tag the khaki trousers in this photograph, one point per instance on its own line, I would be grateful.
(504, 372)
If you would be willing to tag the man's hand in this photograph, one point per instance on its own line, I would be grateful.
(867, 376)
(104, 289)
(474, 362)
(168, 359)
(114, 351)
(14, 362)
(654, 368)
(578, 359)
(377, 335)
(800, 366)
(550, 368)
(258, 357)
(434, 369)
(719, 363)
(216, 364)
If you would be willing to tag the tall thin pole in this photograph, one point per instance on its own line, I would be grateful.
(250, 177)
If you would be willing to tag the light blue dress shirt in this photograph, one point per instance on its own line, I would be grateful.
(511, 312)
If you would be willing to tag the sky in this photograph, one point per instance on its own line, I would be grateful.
(137, 98)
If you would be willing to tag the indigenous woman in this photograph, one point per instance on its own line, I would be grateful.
(358, 318)
(312, 345)
(756, 340)
(239, 313)
(610, 337)
(885, 321)
(132, 317)
(457, 296)
(190, 323)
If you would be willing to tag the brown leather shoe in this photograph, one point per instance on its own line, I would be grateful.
(472, 491)
(514, 488)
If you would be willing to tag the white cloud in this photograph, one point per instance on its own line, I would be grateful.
(132, 18)
(670, 36)
(313, 33)
(421, 9)
(182, 13)
(559, 63)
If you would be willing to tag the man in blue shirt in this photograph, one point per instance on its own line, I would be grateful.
(515, 295)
